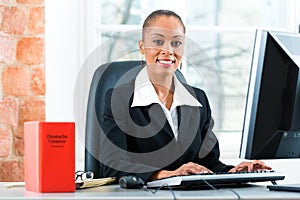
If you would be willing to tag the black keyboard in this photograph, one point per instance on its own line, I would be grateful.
(216, 179)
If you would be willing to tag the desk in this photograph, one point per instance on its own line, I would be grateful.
(113, 192)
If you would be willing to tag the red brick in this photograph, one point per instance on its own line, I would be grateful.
(38, 81)
(19, 146)
(12, 170)
(32, 109)
(15, 81)
(30, 1)
(5, 141)
(9, 112)
(36, 20)
(7, 49)
(13, 20)
(30, 51)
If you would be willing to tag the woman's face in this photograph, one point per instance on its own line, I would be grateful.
(163, 44)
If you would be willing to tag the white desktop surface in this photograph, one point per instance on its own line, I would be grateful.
(113, 192)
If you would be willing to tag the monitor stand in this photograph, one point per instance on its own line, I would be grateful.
(282, 144)
(289, 145)
(287, 148)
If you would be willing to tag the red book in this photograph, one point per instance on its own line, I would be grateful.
(49, 156)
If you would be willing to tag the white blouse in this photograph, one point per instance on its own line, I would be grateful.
(145, 94)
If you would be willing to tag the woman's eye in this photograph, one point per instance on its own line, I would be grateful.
(176, 43)
(158, 42)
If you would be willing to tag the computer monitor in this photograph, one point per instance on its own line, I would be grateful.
(272, 117)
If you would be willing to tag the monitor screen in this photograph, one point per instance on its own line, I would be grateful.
(272, 116)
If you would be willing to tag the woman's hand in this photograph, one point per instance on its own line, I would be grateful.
(255, 165)
(191, 168)
(185, 169)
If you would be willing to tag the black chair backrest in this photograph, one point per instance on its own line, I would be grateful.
(105, 77)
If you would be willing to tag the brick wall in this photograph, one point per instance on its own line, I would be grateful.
(22, 79)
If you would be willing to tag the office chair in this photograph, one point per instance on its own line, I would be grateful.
(105, 77)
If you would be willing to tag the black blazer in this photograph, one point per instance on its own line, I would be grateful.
(140, 141)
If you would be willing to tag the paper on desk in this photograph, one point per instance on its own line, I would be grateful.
(94, 182)
(15, 184)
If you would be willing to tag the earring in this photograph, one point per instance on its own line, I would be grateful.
(142, 63)
(180, 66)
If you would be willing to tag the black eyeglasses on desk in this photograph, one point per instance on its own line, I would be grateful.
(83, 175)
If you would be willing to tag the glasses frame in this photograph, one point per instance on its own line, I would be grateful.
(84, 175)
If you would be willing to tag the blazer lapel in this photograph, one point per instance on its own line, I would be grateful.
(157, 117)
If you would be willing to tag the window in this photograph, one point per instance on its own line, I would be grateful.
(222, 29)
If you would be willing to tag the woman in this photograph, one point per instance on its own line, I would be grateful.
(155, 125)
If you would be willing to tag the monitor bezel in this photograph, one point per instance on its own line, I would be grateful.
(256, 74)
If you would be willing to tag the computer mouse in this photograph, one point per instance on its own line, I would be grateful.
(131, 182)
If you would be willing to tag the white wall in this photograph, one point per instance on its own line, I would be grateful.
(61, 36)
(62, 62)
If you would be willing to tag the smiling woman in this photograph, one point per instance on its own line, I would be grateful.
(153, 140)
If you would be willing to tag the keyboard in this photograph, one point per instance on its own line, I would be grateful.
(216, 179)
